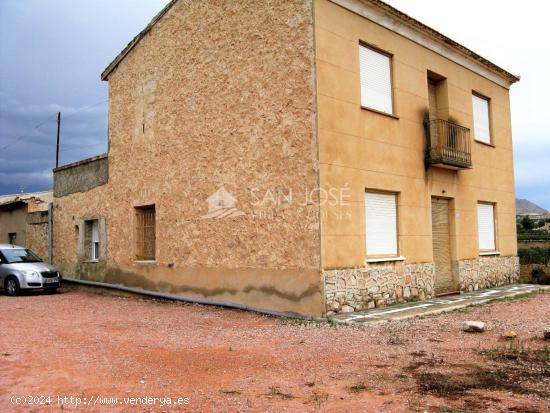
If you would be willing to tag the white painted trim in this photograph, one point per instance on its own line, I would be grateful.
(371, 12)
(486, 253)
(386, 259)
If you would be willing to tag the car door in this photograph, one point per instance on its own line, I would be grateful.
(3, 270)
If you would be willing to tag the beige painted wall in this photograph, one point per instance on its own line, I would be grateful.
(216, 94)
(14, 221)
(361, 149)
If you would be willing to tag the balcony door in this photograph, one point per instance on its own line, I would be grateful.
(441, 240)
(432, 97)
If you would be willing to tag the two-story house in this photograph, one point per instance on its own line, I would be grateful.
(307, 156)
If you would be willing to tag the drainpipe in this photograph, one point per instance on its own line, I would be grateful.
(50, 232)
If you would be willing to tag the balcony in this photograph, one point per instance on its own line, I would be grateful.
(447, 144)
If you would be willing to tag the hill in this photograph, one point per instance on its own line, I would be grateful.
(524, 206)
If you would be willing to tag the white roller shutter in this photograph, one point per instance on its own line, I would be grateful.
(381, 223)
(95, 231)
(375, 73)
(482, 129)
(95, 240)
(486, 226)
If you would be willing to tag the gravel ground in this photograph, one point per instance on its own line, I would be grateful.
(86, 343)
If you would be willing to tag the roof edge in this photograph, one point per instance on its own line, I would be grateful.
(113, 65)
(509, 77)
(444, 39)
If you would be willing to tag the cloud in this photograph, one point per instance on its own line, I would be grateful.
(29, 153)
(53, 52)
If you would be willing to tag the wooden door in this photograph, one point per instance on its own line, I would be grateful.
(441, 239)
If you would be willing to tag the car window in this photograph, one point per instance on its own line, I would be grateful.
(14, 255)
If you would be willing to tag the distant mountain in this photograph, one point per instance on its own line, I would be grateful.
(524, 206)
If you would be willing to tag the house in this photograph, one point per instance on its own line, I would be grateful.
(24, 220)
(368, 155)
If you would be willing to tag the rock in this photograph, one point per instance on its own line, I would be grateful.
(347, 309)
(509, 335)
(547, 333)
(330, 313)
(474, 326)
(335, 306)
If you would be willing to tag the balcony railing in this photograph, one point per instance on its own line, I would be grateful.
(447, 144)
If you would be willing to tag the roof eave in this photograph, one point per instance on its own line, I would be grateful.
(511, 78)
(113, 65)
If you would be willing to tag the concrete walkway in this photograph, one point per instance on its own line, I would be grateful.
(437, 305)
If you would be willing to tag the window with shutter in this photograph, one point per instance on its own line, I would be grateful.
(486, 226)
(91, 239)
(95, 240)
(482, 128)
(376, 84)
(381, 224)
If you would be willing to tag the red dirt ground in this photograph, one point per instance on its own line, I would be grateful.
(87, 342)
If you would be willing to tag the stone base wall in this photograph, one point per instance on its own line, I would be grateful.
(377, 285)
(487, 272)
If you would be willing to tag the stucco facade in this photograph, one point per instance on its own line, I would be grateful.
(258, 104)
(362, 149)
(216, 94)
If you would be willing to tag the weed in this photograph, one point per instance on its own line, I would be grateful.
(319, 398)
(358, 388)
(231, 392)
(397, 339)
(274, 391)
(446, 409)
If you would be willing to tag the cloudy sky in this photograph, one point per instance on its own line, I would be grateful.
(52, 53)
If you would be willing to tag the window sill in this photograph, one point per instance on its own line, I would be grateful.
(391, 115)
(384, 259)
(488, 253)
(91, 261)
(484, 143)
(145, 262)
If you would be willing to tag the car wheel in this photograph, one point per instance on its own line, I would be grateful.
(50, 290)
(12, 286)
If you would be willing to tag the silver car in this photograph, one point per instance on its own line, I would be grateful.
(22, 269)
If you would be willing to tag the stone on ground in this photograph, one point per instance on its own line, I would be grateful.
(509, 335)
(547, 333)
(474, 326)
(347, 309)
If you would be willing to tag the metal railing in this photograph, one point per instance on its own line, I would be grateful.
(448, 144)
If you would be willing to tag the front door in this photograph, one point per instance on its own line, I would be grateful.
(441, 239)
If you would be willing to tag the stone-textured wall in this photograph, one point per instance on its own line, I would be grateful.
(377, 285)
(37, 233)
(486, 272)
(80, 176)
(217, 94)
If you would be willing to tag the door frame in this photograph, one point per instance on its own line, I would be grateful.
(455, 289)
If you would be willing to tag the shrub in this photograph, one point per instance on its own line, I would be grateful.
(534, 255)
(538, 272)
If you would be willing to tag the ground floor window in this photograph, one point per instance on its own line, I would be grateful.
(91, 239)
(145, 233)
(381, 224)
(486, 226)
